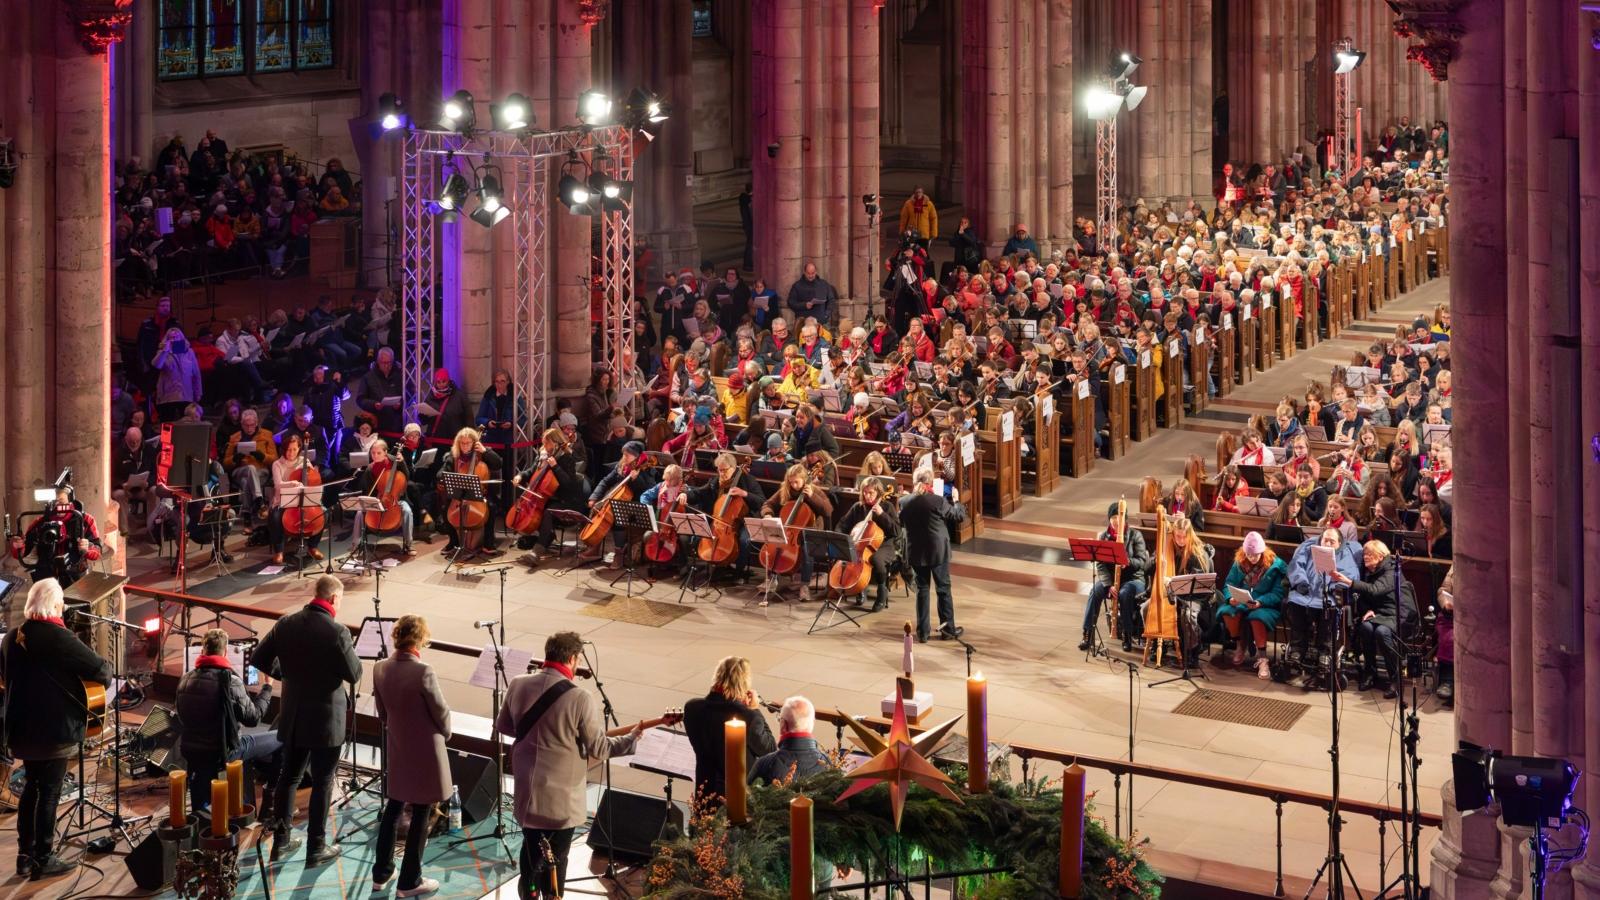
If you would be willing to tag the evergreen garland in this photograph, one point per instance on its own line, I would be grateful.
(1014, 826)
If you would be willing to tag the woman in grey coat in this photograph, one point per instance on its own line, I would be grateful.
(178, 375)
(418, 724)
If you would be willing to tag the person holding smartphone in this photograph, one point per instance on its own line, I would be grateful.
(222, 721)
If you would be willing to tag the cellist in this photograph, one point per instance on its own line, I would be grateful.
(290, 467)
(555, 456)
(374, 480)
(886, 515)
(798, 484)
(730, 480)
(628, 469)
(465, 452)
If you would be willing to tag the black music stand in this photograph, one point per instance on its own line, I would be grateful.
(1109, 553)
(826, 548)
(1200, 587)
(460, 486)
(899, 460)
(219, 518)
(359, 505)
(767, 531)
(637, 520)
(693, 525)
(374, 628)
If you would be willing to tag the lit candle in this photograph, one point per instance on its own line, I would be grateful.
(733, 770)
(1072, 797)
(236, 788)
(977, 734)
(802, 883)
(178, 784)
(219, 807)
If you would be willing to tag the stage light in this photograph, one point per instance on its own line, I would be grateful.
(152, 625)
(645, 106)
(575, 194)
(1124, 65)
(513, 114)
(1136, 96)
(1101, 102)
(594, 107)
(490, 218)
(454, 195)
(459, 112)
(389, 112)
(492, 208)
(869, 202)
(1347, 61)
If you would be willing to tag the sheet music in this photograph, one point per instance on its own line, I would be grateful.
(1008, 425)
(483, 673)
(369, 643)
(427, 457)
(662, 750)
(1323, 559)
(969, 449)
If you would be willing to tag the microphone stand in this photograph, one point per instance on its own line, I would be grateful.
(608, 715)
(502, 684)
(115, 822)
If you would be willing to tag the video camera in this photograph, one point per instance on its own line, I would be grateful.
(1531, 790)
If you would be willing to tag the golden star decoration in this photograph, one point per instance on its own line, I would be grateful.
(899, 760)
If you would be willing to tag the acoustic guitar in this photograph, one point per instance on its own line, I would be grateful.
(94, 703)
(672, 716)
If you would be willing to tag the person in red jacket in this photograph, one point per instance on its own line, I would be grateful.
(64, 541)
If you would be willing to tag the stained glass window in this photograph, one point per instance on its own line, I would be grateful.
(176, 57)
(208, 38)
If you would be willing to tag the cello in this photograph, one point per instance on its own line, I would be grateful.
(727, 517)
(527, 514)
(602, 518)
(305, 520)
(784, 558)
(851, 578)
(468, 517)
(662, 545)
(390, 491)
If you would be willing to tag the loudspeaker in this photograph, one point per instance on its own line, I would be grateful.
(634, 822)
(474, 775)
(153, 863)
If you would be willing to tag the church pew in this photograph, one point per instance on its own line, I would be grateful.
(1041, 424)
(1363, 288)
(1283, 304)
(1224, 343)
(1143, 401)
(1002, 463)
(1441, 244)
(1172, 378)
(1310, 303)
(1116, 390)
(1392, 273)
(1244, 357)
(1077, 427)
(1199, 369)
(1266, 332)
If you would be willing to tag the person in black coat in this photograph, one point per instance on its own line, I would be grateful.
(811, 434)
(968, 246)
(214, 706)
(382, 382)
(797, 755)
(927, 519)
(1129, 620)
(1385, 607)
(443, 411)
(887, 517)
(731, 697)
(315, 657)
(703, 497)
(569, 492)
(44, 667)
(465, 453)
(730, 298)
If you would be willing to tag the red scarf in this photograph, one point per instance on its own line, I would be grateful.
(53, 620)
(323, 605)
(793, 734)
(559, 667)
(212, 662)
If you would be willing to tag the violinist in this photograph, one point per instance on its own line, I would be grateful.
(703, 433)
(290, 469)
(868, 425)
(800, 484)
(885, 513)
(874, 465)
(374, 480)
(733, 481)
(466, 451)
(556, 457)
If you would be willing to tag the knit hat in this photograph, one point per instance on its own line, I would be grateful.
(636, 448)
(566, 419)
(774, 440)
(1254, 545)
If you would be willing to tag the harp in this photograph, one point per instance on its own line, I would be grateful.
(1161, 613)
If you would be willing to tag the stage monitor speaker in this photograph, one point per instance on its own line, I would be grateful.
(474, 775)
(627, 824)
(153, 863)
(157, 739)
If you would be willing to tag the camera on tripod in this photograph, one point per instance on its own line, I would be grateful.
(1531, 790)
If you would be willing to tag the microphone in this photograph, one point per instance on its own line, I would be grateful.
(485, 623)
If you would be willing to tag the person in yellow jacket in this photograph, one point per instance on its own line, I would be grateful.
(248, 459)
(1144, 340)
(917, 214)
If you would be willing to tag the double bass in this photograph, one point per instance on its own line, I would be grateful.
(727, 517)
(784, 558)
(468, 517)
(602, 518)
(391, 490)
(304, 519)
(851, 578)
(527, 514)
(1161, 613)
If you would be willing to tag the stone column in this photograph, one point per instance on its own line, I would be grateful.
(468, 299)
(952, 182)
(1147, 127)
(989, 119)
(776, 111)
(1062, 95)
(570, 288)
(1588, 83)
(660, 31)
(1256, 81)
(864, 153)
(1201, 94)
(1465, 858)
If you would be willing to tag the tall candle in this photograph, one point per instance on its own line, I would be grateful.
(802, 882)
(236, 788)
(178, 784)
(977, 734)
(733, 770)
(219, 807)
(1072, 798)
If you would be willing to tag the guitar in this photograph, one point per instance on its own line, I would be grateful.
(552, 888)
(94, 707)
(671, 716)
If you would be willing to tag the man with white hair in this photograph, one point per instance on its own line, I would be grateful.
(797, 755)
(45, 667)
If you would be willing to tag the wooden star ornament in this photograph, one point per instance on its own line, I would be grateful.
(900, 760)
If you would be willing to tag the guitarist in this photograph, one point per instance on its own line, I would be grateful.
(558, 732)
(45, 668)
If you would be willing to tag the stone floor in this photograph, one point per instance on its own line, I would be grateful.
(1021, 605)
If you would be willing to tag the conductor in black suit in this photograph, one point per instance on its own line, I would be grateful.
(926, 518)
(316, 658)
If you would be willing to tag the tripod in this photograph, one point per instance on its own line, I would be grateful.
(1335, 865)
(114, 819)
(1410, 878)
(502, 683)
(355, 786)
(608, 715)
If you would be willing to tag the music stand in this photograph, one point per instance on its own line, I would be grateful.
(460, 486)
(371, 643)
(767, 531)
(360, 505)
(825, 548)
(1109, 553)
(1180, 589)
(696, 525)
(637, 520)
(899, 460)
(220, 519)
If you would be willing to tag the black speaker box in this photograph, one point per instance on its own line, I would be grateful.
(153, 863)
(626, 824)
(474, 775)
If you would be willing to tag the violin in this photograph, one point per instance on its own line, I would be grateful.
(727, 516)
(527, 514)
(662, 546)
(784, 558)
(602, 518)
(305, 519)
(469, 516)
(392, 489)
(850, 578)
